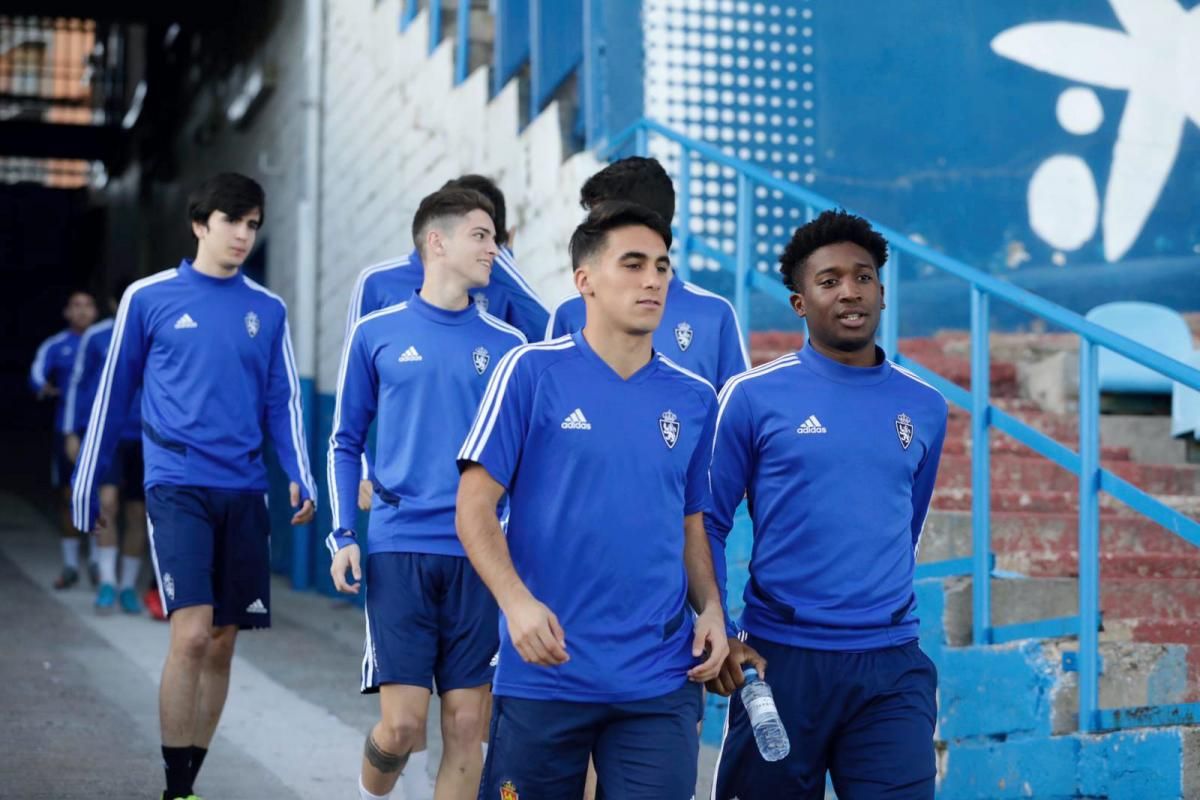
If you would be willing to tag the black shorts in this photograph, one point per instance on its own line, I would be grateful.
(127, 471)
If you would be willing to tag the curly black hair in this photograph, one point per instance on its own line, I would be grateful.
(831, 227)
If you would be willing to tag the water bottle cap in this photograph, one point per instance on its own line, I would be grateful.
(750, 674)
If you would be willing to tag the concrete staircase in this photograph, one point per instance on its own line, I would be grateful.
(1008, 713)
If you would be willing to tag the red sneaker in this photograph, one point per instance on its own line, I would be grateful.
(154, 604)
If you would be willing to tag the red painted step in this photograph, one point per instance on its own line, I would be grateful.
(1147, 566)
(1006, 445)
(1020, 472)
(1050, 501)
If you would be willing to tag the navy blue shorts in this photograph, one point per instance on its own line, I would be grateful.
(127, 471)
(212, 547)
(867, 718)
(430, 620)
(61, 467)
(644, 749)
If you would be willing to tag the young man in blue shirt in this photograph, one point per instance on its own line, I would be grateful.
(602, 445)
(212, 353)
(49, 377)
(419, 368)
(122, 487)
(836, 449)
(699, 330)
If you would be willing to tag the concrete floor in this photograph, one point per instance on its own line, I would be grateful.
(78, 692)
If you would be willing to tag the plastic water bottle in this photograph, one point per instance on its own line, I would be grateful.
(769, 734)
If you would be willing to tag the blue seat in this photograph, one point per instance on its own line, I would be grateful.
(1155, 326)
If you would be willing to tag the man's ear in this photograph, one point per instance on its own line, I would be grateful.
(583, 280)
(797, 303)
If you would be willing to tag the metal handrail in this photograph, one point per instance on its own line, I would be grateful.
(1085, 463)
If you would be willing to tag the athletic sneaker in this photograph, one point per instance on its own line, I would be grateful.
(129, 601)
(106, 598)
(67, 579)
(154, 604)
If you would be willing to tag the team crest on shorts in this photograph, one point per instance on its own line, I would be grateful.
(480, 358)
(904, 429)
(508, 791)
(252, 324)
(480, 300)
(683, 335)
(168, 585)
(668, 426)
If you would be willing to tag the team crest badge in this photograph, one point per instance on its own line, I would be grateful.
(683, 335)
(251, 324)
(904, 429)
(668, 426)
(480, 300)
(480, 358)
(168, 585)
(508, 791)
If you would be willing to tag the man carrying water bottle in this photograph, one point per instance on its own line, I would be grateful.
(836, 449)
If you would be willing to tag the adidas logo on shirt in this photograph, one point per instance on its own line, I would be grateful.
(576, 421)
(811, 425)
(410, 354)
(256, 607)
(185, 321)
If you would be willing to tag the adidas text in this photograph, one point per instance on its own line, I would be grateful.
(811, 425)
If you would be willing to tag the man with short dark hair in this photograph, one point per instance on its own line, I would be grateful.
(212, 353)
(419, 368)
(699, 329)
(49, 377)
(602, 445)
(836, 449)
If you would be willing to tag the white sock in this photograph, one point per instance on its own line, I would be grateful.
(70, 552)
(485, 752)
(130, 567)
(106, 560)
(365, 795)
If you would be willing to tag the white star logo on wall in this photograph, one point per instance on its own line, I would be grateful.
(1156, 60)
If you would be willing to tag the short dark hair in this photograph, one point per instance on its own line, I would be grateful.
(635, 179)
(446, 203)
(488, 188)
(831, 227)
(589, 238)
(234, 194)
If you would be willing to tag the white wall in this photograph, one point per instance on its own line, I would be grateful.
(396, 128)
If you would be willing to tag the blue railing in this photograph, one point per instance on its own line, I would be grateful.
(1085, 463)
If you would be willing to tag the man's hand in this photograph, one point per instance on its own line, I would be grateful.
(730, 678)
(365, 492)
(48, 390)
(71, 445)
(306, 512)
(709, 636)
(347, 557)
(536, 634)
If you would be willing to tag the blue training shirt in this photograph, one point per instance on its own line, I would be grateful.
(508, 296)
(600, 473)
(53, 362)
(420, 371)
(85, 378)
(213, 357)
(699, 331)
(838, 465)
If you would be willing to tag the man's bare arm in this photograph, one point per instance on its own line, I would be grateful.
(705, 598)
(534, 629)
